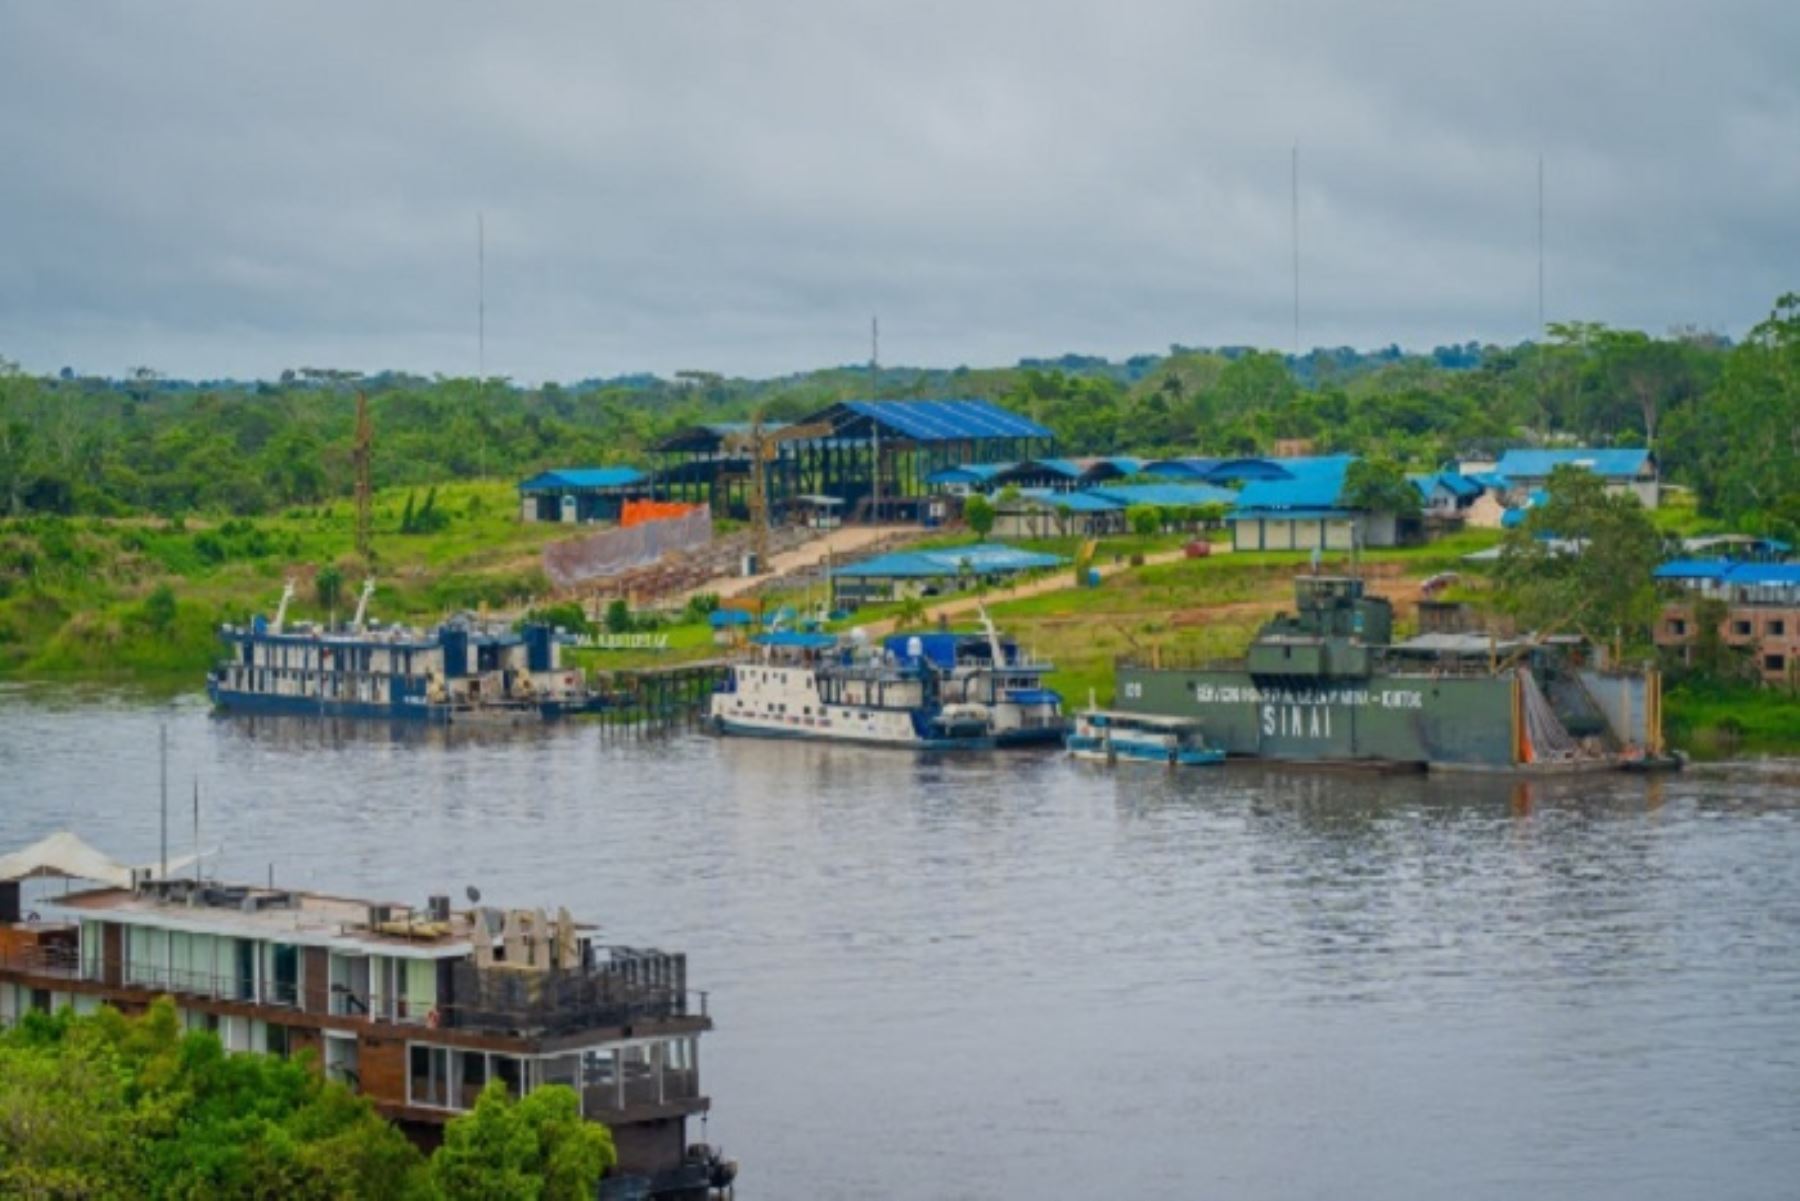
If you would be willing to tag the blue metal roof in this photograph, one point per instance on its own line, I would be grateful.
(795, 638)
(968, 473)
(1230, 470)
(720, 619)
(984, 558)
(1729, 572)
(564, 478)
(1175, 495)
(1537, 464)
(1460, 486)
(1181, 469)
(1312, 483)
(1074, 502)
(946, 420)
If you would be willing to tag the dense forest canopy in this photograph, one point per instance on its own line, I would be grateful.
(1724, 419)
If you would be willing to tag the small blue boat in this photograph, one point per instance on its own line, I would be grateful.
(1109, 736)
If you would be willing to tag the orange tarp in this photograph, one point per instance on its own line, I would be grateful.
(637, 512)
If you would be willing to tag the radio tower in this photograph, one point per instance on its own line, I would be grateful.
(361, 454)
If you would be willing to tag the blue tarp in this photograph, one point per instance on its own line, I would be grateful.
(721, 619)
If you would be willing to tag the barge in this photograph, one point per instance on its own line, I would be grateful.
(1327, 684)
(926, 692)
(461, 671)
(416, 1008)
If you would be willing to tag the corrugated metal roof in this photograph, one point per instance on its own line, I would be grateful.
(1166, 494)
(982, 558)
(561, 478)
(968, 473)
(1074, 502)
(946, 420)
(1181, 469)
(1313, 483)
(1726, 571)
(1229, 470)
(1613, 463)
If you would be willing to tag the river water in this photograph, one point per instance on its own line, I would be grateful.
(1012, 976)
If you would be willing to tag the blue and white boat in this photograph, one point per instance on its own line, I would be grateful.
(1109, 736)
(461, 671)
(929, 691)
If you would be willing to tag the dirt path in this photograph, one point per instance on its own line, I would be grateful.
(846, 540)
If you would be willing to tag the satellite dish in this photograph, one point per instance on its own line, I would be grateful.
(473, 893)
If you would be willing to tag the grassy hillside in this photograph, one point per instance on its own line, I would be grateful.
(79, 597)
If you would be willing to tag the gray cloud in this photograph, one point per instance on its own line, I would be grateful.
(225, 188)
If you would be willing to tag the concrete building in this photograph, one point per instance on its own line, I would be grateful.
(576, 495)
(901, 574)
(1762, 612)
(1306, 511)
(1630, 470)
(1045, 513)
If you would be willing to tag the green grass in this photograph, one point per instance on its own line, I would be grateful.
(1713, 721)
(71, 590)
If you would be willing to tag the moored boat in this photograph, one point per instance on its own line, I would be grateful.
(463, 670)
(1110, 736)
(929, 691)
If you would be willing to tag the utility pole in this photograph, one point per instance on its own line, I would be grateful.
(1538, 338)
(480, 298)
(1294, 187)
(874, 394)
(361, 453)
(163, 748)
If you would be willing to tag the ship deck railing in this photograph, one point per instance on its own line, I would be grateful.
(539, 1004)
(1179, 662)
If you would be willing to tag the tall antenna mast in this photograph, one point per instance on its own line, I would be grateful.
(1540, 320)
(362, 453)
(1538, 337)
(163, 749)
(874, 394)
(1294, 182)
(480, 297)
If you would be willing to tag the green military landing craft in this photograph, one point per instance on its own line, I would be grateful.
(1327, 684)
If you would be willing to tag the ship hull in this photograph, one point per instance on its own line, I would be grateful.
(1452, 722)
(229, 701)
(740, 729)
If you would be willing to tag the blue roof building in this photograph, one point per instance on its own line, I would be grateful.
(834, 453)
(576, 494)
(1169, 495)
(1762, 612)
(1624, 469)
(928, 572)
(1306, 511)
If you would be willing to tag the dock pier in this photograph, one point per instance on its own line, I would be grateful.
(660, 699)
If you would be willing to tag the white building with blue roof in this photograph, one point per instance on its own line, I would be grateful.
(1306, 511)
(580, 494)
(1624, 469)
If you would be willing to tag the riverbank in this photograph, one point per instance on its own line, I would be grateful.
(140, 600)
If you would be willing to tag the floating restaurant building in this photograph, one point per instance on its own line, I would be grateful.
(417, 1009)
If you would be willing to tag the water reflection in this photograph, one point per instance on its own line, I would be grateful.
(936, 976)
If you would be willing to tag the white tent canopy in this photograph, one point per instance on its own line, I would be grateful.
(66, 856)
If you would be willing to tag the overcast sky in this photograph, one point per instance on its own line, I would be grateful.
(736, 185)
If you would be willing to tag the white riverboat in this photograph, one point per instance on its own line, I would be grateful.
(926, 691)
(1108, 736)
